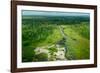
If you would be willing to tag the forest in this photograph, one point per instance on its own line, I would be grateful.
(52, 38)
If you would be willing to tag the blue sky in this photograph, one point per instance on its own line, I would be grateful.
(52, 13)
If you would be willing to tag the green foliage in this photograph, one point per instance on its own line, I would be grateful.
(41, 31)
(53, 49)
(42, 57)
(27, 54)
(78, 45)
(82, 29)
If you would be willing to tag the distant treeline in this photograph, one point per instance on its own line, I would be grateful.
(55, 19)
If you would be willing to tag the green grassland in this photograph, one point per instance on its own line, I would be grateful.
(38, 31)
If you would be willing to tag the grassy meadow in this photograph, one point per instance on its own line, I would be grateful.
(72, 32)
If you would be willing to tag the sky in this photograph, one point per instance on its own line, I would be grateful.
(52, 13)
